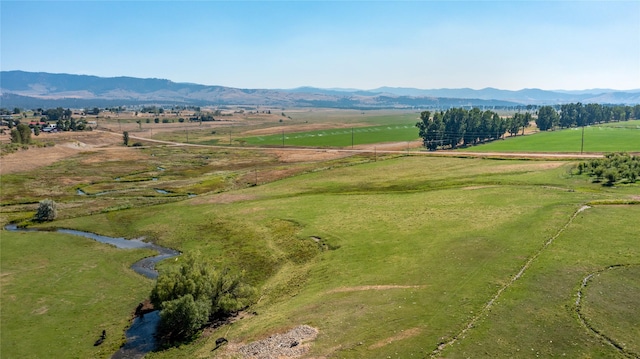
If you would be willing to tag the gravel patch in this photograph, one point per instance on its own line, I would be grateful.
(288, 345)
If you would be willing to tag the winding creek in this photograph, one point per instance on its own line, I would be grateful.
(141, 335)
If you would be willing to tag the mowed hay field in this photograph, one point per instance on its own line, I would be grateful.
(610, 137)
(400, 258)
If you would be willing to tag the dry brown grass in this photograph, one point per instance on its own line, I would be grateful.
(67, 144)
(307, 155)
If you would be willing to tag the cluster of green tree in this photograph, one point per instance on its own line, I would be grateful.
(55, 114)
(71, 124)
(614, 167)
(116, 109)
(195, 293)
(152, 109)
(202, 117)
(459, 126)
(96, 111)
(182, 108)
(21, 134)
(577, 115)
(4, 111)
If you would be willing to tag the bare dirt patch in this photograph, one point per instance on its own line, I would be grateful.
(400, 336)
(40, 311)
(391, 146)
(292, 344)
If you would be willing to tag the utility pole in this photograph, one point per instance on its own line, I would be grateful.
(582, 143)
(351, 137)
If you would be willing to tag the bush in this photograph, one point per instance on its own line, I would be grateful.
(183, 317)
(47, 211)
(195, 293)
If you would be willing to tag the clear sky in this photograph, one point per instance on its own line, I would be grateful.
(350, 44)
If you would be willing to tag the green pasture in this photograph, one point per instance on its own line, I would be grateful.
(58, 292)
(392, 258)
(340, 137)
(611, 301)
(611, 137)
(234, 134)
(537, 315)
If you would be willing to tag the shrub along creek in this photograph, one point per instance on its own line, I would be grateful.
(141, 336)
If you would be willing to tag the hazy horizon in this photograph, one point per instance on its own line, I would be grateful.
(549, 45)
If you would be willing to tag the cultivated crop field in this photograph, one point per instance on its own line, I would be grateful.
(340, 137)
(299, 128)
(395, 256)
(610, 137)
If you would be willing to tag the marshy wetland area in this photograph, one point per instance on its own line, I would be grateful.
(359, 243)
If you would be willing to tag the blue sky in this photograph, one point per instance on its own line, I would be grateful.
(350, 44)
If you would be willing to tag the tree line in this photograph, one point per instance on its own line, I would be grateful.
(461, 127)
(458, 126)
(578, 115)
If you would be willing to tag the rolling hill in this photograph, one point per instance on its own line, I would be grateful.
(41, 89)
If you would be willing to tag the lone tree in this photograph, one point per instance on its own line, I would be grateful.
(125, 138)
(195, 293)
(47, 211)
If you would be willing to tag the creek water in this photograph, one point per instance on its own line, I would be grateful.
(141, 335)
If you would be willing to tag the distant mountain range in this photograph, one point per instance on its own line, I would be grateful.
(40, 89)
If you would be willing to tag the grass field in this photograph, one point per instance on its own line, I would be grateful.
(611, 137)
(59, 292)
(340, 137)
(416, 248)
(390, 258)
